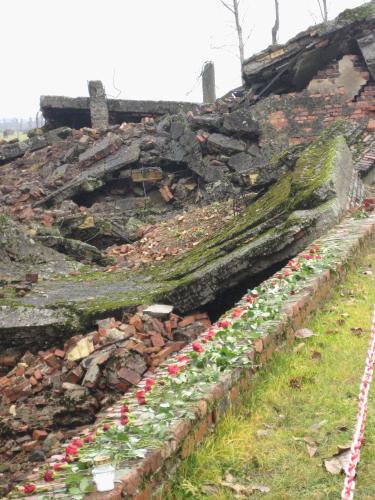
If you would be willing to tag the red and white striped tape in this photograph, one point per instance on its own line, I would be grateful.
(355, 449)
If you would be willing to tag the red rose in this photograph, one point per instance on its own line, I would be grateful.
(124, 409)
(197, 347)
(77, 442)
(124, 420)
(106, 427)
(236, 313)
(29, 488)
(249, 299)
(286, 274)
(57, 466)
(173, 369)
(223, 324)
(71, 450)
(89, 438)
(183, 357)
(48, 476)
(140, 395)
(150, 382)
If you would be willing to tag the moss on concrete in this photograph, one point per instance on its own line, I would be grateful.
(360, 13)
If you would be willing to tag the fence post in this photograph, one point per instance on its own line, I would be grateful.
(98, 105)
(208, 83)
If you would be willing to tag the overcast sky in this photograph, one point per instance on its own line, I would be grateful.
(150, 49)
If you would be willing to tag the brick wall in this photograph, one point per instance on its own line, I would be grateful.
(298, 117)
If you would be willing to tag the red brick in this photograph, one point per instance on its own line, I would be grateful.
(59, 353)
(39, 435)
(136, 322)
(188, 320)
(157, 340)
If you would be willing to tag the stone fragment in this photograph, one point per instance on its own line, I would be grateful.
(158, 310)
(241, 123)
(83, 348)
(224, 144)
(130, 376)
(149, 174)
(101, 148)
(210, 122)
(241, 162)
(92, 376)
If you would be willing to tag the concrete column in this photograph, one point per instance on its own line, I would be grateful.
(98, 105)
(208, 83)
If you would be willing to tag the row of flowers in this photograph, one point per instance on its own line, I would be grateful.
(143, 420)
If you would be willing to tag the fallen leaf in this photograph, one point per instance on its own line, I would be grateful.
(295, 383)
(316, 355)
(209, 489)
(356, 330)
(311, 450)
(299, 347)
(261, 488)
(339, 462)
(309, 440)
(304, 333)
(262, 433)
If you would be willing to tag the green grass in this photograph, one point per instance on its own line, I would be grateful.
(300, 394)
(22, 136)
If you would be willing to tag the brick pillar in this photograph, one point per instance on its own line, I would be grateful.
(208, 83)
(98, 105)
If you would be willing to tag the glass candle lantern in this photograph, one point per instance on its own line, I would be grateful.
(103, 473)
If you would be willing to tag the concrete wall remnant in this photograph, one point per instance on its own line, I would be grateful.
(98, 105)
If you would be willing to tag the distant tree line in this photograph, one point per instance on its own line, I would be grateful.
(9, 126)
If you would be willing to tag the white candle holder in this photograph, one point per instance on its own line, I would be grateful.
(103, 473)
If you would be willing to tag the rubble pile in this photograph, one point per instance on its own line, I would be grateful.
(90, 188)
(45, 394)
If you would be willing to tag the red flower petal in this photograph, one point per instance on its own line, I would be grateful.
(48, 476)
(197, 347)
(29, 488)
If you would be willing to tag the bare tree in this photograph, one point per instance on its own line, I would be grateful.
(234, 9)
(276, 26)
(323, 10)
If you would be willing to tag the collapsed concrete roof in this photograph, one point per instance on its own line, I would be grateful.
(74, 112)
(284, 68)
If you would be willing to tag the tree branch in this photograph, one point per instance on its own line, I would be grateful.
(227, 6)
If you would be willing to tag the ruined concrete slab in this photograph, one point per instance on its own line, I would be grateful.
(75, 112)
(33, 327)
(124, 156)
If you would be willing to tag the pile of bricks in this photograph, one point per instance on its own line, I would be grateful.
(65, 387)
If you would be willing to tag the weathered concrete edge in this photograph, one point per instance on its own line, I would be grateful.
(150, 477)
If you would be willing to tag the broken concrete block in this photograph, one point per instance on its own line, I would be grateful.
(241, 123)
(92, 376)
(158, 310)
(240, 162)
(223, 144)
(150, 174)
(101, 148)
